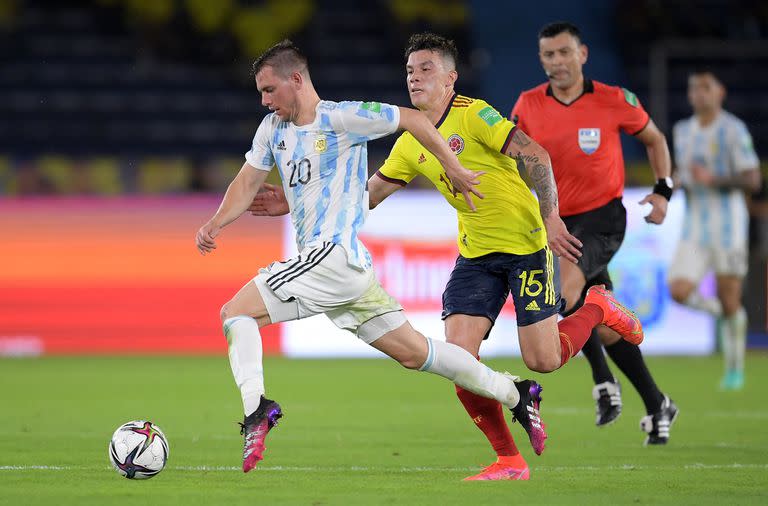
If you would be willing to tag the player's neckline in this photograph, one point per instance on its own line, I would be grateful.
(447, 110)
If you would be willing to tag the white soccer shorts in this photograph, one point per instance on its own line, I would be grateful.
(320, 281)
(692, 261)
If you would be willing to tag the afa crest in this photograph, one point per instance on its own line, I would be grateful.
(321, 144)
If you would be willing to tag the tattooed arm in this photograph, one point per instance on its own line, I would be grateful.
(534, 164)
(537, 167)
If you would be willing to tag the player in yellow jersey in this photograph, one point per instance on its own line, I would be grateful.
(505, 245)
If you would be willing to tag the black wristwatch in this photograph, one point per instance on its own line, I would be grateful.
(664, 187)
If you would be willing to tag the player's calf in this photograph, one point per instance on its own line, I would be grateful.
(540, 345)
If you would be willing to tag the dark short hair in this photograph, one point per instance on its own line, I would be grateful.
(703, 70)
(558, 27)
(427, 41)
(284, 57)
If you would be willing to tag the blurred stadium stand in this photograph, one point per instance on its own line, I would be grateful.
(115, 96)
(663, 41)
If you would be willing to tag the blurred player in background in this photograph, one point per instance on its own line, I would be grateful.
(503, 246)
(716, 164)
(319, 147)
(578, 121)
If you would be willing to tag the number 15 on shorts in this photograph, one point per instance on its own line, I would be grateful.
(529, 285)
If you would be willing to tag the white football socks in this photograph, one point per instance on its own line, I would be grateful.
(709, 304)
(458, 365)
(245, 354)
(733, 335)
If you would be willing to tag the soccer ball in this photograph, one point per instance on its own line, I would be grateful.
(138, 450)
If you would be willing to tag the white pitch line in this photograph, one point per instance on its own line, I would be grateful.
(320, 469)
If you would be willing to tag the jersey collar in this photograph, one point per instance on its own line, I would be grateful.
(589, 87)
(447, 110)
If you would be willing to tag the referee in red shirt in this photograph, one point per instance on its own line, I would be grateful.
(578, 121)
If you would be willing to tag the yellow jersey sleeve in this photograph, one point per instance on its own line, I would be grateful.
(396, 168)
(486, 126)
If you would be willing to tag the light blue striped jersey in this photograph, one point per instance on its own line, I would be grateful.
(324, 168)
(714, 218)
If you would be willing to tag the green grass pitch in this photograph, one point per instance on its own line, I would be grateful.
(368, 432)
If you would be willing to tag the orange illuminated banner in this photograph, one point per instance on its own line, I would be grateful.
(122, 275)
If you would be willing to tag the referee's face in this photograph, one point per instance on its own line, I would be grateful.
(562, 57)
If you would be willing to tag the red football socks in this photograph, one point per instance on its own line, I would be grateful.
(576, 329)
(488, 415)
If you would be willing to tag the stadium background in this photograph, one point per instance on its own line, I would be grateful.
(122, 122)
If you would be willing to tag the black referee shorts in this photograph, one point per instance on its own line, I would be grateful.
(601, 232)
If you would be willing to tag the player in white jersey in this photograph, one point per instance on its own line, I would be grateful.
(716, 164)
(319, 148)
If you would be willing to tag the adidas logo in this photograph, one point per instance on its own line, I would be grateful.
(281, 145)
(422, 158)
(532, 306)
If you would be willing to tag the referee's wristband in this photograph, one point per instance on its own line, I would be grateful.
(663, 188)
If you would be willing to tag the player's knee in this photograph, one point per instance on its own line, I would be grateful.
(607, 335)
(410, 361)
(572, 300)
(679, 291)
(226, 312)
(465, 342)
(541, 362)
(731, 306)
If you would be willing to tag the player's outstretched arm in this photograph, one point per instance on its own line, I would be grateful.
(379, 189)
(534, 160)
(748, 180)
(658, 156)
(462, 179)
(236, 200)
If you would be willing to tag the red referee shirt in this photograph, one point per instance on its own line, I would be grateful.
(582, 138)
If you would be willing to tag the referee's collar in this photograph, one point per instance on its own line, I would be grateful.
(589, 87)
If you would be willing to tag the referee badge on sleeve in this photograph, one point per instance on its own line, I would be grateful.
(589, 139)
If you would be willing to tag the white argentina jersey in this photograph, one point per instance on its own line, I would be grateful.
(324, 168)
(714, 218)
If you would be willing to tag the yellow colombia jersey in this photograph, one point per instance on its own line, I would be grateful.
(508, 218)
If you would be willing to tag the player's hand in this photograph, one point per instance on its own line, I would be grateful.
(464, 181)
(659, 208)
(702, 175)
(270, 201)
(561, 242)
(204, 239)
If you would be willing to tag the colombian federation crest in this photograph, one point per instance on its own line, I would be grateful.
(456, 143)
(321, 144)
(589, 139)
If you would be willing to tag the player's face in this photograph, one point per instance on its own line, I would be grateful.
(705, 93)
(428, 78)
(562, 57)
(277, 93)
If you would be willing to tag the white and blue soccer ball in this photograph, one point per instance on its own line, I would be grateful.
(138, 450)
